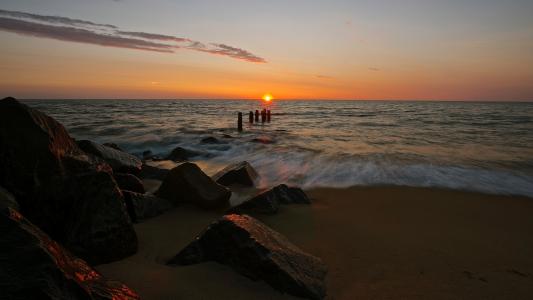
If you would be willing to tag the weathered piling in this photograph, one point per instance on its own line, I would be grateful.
(239, 122)
(263, 116)
(268, 115)
(251, 117)
(256, 116)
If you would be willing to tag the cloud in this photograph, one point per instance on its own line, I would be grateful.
(51, 19)
(80, 35)
(80, 31)
(153, 36)
(324, 76)
(221, 49)
(374, 69)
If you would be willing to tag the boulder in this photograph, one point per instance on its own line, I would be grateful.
(240, 173)
(263, 140)
(67, 193)
(182, 154)
(129, 182)
(118, 160)
(211, 140)
(32, 147)
(86, 213)
(33, 266)
(151, 172)
(142, 206)
(187, 183)
(258, 252)
(114, 146)
(268, 202)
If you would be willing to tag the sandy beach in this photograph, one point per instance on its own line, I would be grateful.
(378, 243)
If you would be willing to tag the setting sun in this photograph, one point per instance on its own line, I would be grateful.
(267, 97)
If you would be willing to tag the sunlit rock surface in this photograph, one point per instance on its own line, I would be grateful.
(33, 266)
(187, 183)
(256, 251)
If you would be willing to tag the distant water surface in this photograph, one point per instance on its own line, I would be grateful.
(485, 147)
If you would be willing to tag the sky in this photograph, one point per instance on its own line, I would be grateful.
(292, 49)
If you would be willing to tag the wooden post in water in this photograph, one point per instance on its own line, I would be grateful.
(239, 122)
(263, 116)
(268, 115)
(256, 116)
(251, 117)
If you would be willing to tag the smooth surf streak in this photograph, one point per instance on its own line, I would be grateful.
(485, 147)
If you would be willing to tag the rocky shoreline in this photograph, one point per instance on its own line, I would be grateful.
(67, 205)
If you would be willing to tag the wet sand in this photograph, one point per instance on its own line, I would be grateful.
(378, 243)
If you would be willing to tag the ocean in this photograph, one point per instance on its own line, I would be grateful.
(474, 146)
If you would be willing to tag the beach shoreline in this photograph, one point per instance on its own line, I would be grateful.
(385, 242)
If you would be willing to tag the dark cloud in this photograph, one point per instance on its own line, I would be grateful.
(80, 35)
(73, 30)
(153, 36)
(324, 76)
(221, 49)
(51, 19)
(374, 69)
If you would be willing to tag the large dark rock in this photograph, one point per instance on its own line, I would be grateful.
(70, 195)
(129, 182)
(143, 206)
(33, 266)
(87, 214)
(182, 154)
(114, 146)
(256, 251)
(240, 173)
(151, 172)
(268, 202)
(118, 160)
(7, 199)
(32, 147)
(187, 183)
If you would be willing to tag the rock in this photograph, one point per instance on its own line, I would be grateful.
(114, 146)
(141, 206)
(187, 183)
(8, 200)
(118, 160)
(182, 154)
(262, 140)
(70, 195)
(129, 182)
(239, 173)
(86, 213)
(32, 146)
(147, 154)
(269, 201)
(258, 252)
(151, 172)
(33, 266)
(211, 140)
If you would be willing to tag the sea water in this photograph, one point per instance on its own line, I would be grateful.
(477, 146)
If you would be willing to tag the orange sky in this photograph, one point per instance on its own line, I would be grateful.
(343, 50)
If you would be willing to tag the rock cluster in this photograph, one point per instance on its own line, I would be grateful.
(69, 194)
